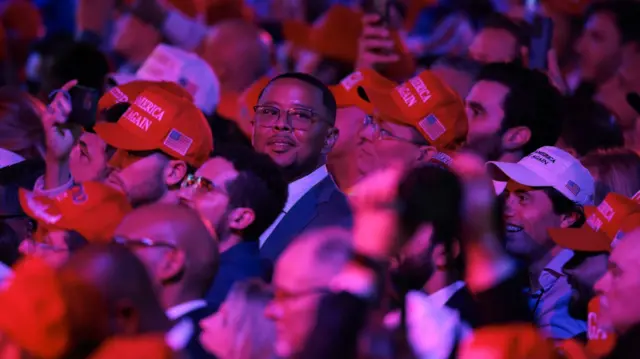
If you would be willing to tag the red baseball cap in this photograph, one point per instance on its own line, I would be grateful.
(350, 91)
(160, 120)
(427, 104)
(92, 209)
(127, 93)
(605, 223)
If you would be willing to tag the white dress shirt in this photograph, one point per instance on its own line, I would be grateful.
(297, 189)
(178, 337)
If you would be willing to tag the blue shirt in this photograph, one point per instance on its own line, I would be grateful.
(550, 304)
(238, 263)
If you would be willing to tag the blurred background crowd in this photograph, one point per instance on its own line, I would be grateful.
(289, 179)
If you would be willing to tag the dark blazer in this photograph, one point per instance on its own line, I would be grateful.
(194, 349)
(323, 205)
(238, 263)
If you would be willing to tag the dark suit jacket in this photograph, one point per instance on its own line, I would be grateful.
(194, 349)
(323, 205)
(463, 302)
(238, 263)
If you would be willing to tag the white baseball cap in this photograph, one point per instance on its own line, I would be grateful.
(549, 167)
(168, 63)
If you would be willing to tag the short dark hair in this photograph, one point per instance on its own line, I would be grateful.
(563, 205)
(626, 14)
(589, 126)
(328, 101)
(518, 30)
(532, 102)
(432, 194)
(260, 185)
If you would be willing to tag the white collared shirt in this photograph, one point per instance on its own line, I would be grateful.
(179, 335)
(179, 310)
(297, 189)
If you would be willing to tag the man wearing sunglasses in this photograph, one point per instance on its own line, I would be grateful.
(294, 123)
(238, 193)
(181, 256)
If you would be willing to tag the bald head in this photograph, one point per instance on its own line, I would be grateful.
(315, 257)
(246, 57)
(179, 227)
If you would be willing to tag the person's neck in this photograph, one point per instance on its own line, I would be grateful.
(344, 170)
(176, 294)
(154, 320)
(511, 156)
(439, 280)
(537, 266)
(294, 174)
(228, 242)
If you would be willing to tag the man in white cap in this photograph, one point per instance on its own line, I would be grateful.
(546, 189)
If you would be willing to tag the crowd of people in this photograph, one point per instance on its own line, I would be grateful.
(322, 179)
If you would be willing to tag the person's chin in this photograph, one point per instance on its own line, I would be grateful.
(282, 349)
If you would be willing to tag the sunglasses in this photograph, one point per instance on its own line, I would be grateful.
(201, 184)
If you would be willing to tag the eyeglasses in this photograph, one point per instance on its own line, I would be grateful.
(142, 242)
(201, 184)
(33, 246)
(297, 118)
(281, 296)
(379, 133)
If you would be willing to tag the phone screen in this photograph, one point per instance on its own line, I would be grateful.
(84, 106)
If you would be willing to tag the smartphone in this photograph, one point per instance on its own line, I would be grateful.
(541, 42)
(84, 106)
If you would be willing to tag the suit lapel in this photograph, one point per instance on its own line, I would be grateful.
(298, 217)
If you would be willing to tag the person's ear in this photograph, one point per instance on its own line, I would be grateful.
(126, 317)
(241, 218)
(426, 153)
(567, 220)
(516, 137)
(174, 172)
(439, 255)
(172, 266)
(330, 140)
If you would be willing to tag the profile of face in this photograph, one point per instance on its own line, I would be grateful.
(239, 320)
(620, 285)
(88, 159)
(349, 121)
(528, 215)
(485, 111)
(51, 247)
(583, 271)
(382, 143)
(599, 48)
(299, 283)
(141, 175)
(131, 35)
(494, 46)
(208, 194)
(293, 126)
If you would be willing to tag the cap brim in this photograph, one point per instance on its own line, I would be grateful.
(341, 96)
(580, 239)
(503, 171)
(119, 138)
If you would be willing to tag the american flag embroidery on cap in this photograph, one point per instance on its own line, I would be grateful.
(178, 142)
(432, 127)
(573, 187)
(190, 86)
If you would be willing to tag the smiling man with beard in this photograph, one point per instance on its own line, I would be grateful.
(294, 124)
(545, 190)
